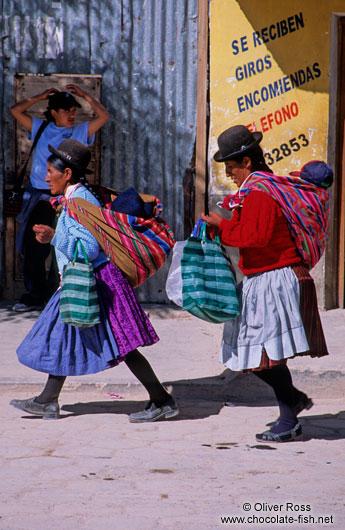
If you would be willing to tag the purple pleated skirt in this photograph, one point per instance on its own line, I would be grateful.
(60, 349)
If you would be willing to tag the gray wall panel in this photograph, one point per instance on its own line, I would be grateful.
(146, 52)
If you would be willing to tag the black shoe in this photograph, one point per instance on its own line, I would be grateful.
(152, 413)
(49, 411)
(269, 436)
(20, 307)
(303, 403)
(28, 302)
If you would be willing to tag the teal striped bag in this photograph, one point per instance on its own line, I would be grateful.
(78, 299)
(208, 284)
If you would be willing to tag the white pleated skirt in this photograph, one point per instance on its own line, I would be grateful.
(269, 319)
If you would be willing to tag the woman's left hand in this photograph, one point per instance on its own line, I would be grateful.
(213, 220)
(43, 233)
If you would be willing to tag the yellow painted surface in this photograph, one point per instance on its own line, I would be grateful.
(269, 70)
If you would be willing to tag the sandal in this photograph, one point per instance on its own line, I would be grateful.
(287, 436)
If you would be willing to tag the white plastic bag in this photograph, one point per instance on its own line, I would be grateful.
(173, 285)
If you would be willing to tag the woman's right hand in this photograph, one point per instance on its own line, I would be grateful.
(213, 220)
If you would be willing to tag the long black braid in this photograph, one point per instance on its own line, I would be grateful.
(48, 116)
(77, 176)
(92, 189)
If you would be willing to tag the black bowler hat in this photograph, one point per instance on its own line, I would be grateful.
(62, 100)
(74, 154)
(236, 141)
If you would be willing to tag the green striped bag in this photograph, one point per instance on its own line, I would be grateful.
(208, 284)
(78, 299)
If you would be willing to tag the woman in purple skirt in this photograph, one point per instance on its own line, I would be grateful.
(60, 349)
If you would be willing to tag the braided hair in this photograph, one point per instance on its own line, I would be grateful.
(77, 176)
(92, 190)
(48, 116)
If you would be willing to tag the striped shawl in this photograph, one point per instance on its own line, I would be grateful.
(305, 206)
(139, 247)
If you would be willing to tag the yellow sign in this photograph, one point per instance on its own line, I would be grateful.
(269, 70)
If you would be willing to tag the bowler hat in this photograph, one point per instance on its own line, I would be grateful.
(62, 100)
(317, 172)
(236, 140)
(74, 154)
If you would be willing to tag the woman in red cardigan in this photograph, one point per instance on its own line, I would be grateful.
(279, 316)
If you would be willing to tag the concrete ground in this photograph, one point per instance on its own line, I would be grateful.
(93, 469)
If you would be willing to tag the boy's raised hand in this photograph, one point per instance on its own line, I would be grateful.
(74, 89)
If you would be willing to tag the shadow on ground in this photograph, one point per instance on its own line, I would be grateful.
(237, 388)
(321, 427)
(189, 410)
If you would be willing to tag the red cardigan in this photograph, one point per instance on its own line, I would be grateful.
(260, 230)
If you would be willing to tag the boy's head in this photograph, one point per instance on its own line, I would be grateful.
(317, 172)
(62, 109)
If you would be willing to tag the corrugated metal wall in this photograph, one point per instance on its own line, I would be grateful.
(146, 52)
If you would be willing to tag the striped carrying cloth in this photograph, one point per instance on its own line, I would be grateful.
(305, 206)
(139, 247)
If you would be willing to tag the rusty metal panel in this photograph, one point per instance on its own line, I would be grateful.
(146, 54)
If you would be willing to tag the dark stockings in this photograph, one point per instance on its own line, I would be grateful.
(142, 370)
(137, 364)
(279, 378)
(52, 389)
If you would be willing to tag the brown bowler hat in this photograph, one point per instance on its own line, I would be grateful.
(74, 154)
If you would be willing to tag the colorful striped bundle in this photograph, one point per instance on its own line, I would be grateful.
(139, 247)
(305, 206)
